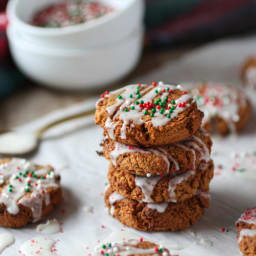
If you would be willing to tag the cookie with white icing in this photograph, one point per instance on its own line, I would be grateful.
(248, 73)
(131, 247)
(148, 115)
(226, 109)
(28, 192)
(246, 226)
(168, 188)
(176, 157)
(156, 216)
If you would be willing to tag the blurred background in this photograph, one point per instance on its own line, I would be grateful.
(173, 28)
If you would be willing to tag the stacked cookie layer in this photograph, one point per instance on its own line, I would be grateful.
(160, 166)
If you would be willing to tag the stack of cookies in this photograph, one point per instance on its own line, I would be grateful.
(160, 166)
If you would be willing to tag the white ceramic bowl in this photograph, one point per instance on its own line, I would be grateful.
(76, 69)
(128, 16)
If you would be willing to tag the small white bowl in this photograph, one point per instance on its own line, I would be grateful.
(76, 69)
(115, 26)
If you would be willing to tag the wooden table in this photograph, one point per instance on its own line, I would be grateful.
(35, 101)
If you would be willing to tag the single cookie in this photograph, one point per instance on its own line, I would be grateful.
(132, 247)
(148, 115)
(226, 109)
(28, 192)
(246, 226)
(176, 157)
(160, 189)
(248, 73)
(154, 216)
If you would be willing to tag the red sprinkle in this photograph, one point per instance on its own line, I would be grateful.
(154, 84)
(156, 249)
(141, 239)
(131, 147)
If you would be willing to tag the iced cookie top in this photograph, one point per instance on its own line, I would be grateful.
(249, 216)
(25, 183)
(148, 109)
(131, 247)
(219, 99)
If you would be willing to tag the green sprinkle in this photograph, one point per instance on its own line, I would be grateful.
(145, 112)
(16, 177)
(126, 110)
(10, 190)
(137, 92)
(131, 96)
(152, 114)
(34, 176)
(156, 91)
(142, 101)
(173, 107)
(27, 190)
(137, 102)
(168, 89)
(138, 96)
(170, 111)
(162, 104)
(119, 97)
(49, 173)
(137, 87)
(42, 177)
(160, 250)
(24, 175)
(173, 101)
(153, 110)
(169, 116)
(26, 172)
(103, 246)
(132, 107)
(109, 245)
(20, 173)
(161, 111)
(156, 102)
(10, 186)
(166, 98)
(241, 170)
(106, 254)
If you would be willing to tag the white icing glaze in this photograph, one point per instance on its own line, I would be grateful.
(50, 227)
(136, 115)
(17, 143)
(175, 181)
(42, 246)
(250, 77)
(127, 248)
(6, 240)
(220, 100)
(159, 207)
(11, 197)
(147, 185)
(246, 232)
(205, 153)
(114, 197)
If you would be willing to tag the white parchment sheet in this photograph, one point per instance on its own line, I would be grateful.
(84, 217)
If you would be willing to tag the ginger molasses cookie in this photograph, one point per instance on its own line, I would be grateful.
(172, 158)
(249, 73)
(158, 189)
(132, 247)
(28, 192)
(226, 108)
(246, 226)
(156, 216)
(155, 114)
